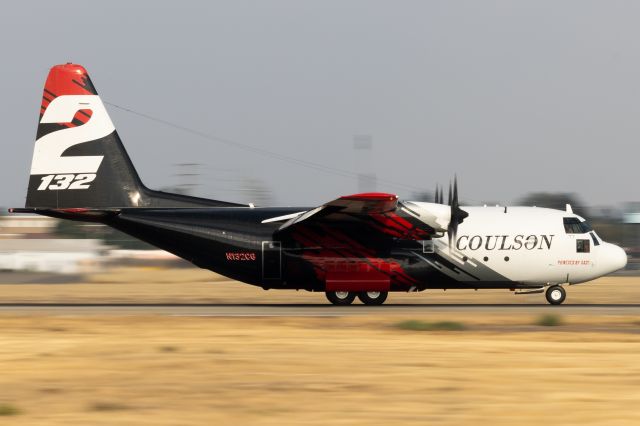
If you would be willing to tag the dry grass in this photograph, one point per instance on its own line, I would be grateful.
(318, 371)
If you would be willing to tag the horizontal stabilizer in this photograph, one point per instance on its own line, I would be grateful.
(82, 214)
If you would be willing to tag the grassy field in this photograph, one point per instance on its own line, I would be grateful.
(442, 368)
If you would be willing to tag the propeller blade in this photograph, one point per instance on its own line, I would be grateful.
(455, 191)
(452, 232)
(457, 214)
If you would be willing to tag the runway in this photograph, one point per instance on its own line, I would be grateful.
(305, 310)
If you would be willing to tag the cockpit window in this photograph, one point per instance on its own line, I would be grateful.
(572, 225)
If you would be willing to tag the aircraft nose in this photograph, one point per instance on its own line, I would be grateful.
(616, 258)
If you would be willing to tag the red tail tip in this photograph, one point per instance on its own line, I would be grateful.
(70, 67)
(66, 79)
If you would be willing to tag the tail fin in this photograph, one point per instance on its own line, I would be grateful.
(79, 160)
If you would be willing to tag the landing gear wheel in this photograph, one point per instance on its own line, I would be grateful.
(555, 295)
(340, 298)
(373, 297)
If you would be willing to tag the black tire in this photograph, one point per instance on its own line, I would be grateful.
(373, 297)
(555, 295)
(340, 298)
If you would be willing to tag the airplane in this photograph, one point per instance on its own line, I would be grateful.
(362, 245)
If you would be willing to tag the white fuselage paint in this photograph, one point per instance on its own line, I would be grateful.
(523, 244)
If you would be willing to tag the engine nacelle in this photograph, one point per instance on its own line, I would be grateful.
(435, 215)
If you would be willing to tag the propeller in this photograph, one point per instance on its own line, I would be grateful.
(437, 198)
(457, 214)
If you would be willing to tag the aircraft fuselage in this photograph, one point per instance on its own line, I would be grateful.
(524, 247)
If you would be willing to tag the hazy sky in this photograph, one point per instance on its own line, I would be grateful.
(513, 96)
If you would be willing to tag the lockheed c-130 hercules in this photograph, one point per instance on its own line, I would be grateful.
(362, 245)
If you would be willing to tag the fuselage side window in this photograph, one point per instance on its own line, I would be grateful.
(583, 246)
(427, 246)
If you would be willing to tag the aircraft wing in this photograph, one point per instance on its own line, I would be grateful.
(379, 211)
(357, 204)
(365, 204)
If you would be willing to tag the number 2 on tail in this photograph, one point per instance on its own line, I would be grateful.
(66, 181)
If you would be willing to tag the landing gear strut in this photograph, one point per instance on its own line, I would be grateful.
(555, 295)
(340, 298)
(373, 297)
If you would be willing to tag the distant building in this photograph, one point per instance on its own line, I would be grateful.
(632, 213)
(27, 226)
(66, 256)
(631, 221)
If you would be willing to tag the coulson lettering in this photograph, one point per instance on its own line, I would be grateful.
(547, 240)
(488, 239)
(504, 242)
(475, 242)
(517, 242)
(462, 240)
(531, 243)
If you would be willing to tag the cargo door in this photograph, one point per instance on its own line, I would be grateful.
(271, 260)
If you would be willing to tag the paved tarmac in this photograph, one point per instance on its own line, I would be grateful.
(305, 310)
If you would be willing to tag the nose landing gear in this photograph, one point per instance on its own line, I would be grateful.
(555, 294)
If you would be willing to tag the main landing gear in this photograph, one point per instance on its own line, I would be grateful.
(343, 298)
(555, 294)
(373, 297)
